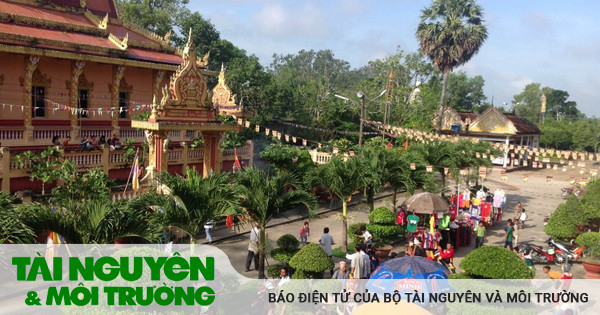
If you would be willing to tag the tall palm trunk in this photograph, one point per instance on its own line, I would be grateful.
(192, 245)
(371, 199)
(345, 226)
(261, 252)
(442, 102)
(394, 198)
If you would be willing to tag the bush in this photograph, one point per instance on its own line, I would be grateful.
(591, 200)
(311, 260)
(460, 276)
(383, 226)
(382, 215)
(288, 242)
(493, 262)
(591, 240)
(281, 255)
(564, 221)
(355, 229)
(274, 271)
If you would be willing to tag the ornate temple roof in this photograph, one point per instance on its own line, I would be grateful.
(69, 28)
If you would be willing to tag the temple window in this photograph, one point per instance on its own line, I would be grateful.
(124, 104)
(83, 102)
(38, 101)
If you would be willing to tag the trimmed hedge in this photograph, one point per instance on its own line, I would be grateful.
(564, 221)
(382, 215)
(288, 242)
(591, 200)
(591, 240)
(311, 261)
(493, 262)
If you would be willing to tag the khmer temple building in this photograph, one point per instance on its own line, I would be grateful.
(73, 69)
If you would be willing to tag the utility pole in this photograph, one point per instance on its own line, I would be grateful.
(361, 95)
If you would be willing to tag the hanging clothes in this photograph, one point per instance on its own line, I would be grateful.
(486, 209)
(401, 217)
(453, 212)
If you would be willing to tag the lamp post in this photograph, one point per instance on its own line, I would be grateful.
(362, 98)
(361, 95)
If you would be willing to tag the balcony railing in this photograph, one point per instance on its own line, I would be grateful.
(110, 160)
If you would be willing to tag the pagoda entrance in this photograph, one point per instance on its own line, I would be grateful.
(184, 107)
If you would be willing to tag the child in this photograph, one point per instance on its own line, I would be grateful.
(304, 233)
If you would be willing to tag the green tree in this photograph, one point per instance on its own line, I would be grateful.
(450, 33)
(193, 201)
(158, 16)
(45, 166)
(343, 178)
(465, 94)
(90, 185)
(263, 196)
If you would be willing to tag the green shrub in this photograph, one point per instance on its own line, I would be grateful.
(281, 255)
(274, 270)
(311, 260)
(460, 276)
(382, 215)
(591, 200)
(327, 286)
(288, 242)
(493, 262)
(564, 221)
(354, 229)
(591, 240)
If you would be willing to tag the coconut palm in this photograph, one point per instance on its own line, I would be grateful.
(192, 201)
(343, 178)
(264, 195)
(450, 33)
(400, 176)
(440, 155)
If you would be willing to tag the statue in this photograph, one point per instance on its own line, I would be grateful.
(415, 95)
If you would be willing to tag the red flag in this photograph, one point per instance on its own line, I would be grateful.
(406, 144)
(389, 145)
(237, 161)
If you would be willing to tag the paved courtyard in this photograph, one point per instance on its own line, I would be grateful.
(538, 196)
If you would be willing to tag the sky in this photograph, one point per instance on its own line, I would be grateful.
(555, 43)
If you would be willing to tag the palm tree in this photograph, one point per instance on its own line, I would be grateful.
(99, 222)
(12, 229)
(400, 176)
(264, 196)
(193, 201)
(440, 155)
(343, 178)
(374, 164)
(450, 33)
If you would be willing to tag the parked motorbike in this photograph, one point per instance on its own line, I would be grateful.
(556, 253)
(575, 189)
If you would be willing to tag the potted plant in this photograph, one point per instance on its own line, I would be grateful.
(288, 246)
(384, 229)
(591, 262)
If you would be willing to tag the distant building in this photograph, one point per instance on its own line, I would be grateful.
(491, 125)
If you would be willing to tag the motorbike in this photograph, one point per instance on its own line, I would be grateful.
(556, 252)
(575, 189)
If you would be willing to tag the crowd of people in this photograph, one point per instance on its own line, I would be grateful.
(89, 143)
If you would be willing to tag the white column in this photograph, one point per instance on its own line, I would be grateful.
(505, 152)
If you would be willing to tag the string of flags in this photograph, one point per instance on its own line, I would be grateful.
(100, 111)
(291, 138)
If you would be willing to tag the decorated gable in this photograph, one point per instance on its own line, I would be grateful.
(493, 121)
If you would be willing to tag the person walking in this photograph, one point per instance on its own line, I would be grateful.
(508, 236)
(522, 219)
(480, 231)
(357, 263)
(304, 233)
(326, 241)
(253, 247)
(207, 228)
(517, 211)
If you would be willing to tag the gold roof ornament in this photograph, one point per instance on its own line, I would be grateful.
(188, 87)
(222, 96)
(203, 63)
